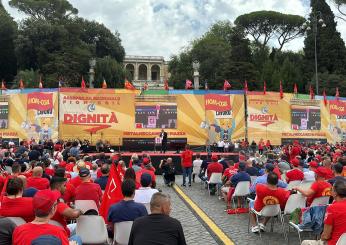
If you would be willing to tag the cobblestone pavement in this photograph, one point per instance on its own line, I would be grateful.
(195, 232)
(234, 226)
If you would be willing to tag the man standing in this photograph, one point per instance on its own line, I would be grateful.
(163, 136)
(186, 164)
(158, 227)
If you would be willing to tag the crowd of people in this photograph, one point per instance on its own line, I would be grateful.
(42, 183)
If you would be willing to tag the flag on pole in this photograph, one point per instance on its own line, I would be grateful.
(312, 94)
(83, 85)
(21, 84)
(40, 85)
(264, 87)
(112, 192)
(246, 89)
(295, 89)
(226, 85)
(324, 97)
(166, 85)
(104, 84)
(3, 87)
(129, 85)
(145, 87)
(188, 84)
(281, 91)
(337, 94)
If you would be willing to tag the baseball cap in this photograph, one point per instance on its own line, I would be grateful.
(313, 164)
(44, 200)
(321, 171)
(145, 179)
(269, 167)
(295, 162)
(214, 157)
(84, 172)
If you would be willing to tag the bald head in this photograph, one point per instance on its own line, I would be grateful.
(160, 203)
(37, 172)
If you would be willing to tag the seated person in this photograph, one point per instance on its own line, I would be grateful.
(310, 175)
(318, 189)
(267, 194)
(335, 218)
(37, 181)
(7, 228)
(295, 173)
(213, 167)
(13, 204)
(168, 171)
(145, 192)
(250, 169)
(337, 169)
(102, 181)
(88, 190)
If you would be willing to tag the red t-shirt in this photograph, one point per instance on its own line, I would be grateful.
(321, 188)
(59, 217)
(336, 217)
(69, 167)
(229, 172)
(142, 171)
(75, 181)
(294, 174)
(186, 158)
(277, 171)
(266, 196)
(330, 174)
(25, 234)
(70, 193)
(214, 167)
(38, 183)
(89, 191)
(50, 171)
(18, 207)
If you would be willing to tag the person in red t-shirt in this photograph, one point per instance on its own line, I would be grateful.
(44, 206)
(36, 181)
(213, 167)
(71, 162)
(70, 190)
(260, 146)
(335, 218)
(13, 204)
(327, 163)
(295, 173)
(88, 190)
(268, 194)
(319, 188)
(149, 169)
(186, 164)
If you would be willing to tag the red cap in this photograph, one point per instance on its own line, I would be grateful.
(321, 171)
(313, 164)
(241, 158)
(214, 157)
(295, 162)
(44, 200)
(146, 161)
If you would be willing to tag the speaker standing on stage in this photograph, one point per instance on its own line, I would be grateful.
(163, 136)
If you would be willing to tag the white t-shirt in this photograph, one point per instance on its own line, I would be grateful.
(144, 194)
(309, 176)
(220, 144)
(197, 166)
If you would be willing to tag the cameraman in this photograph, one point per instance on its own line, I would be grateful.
(168, 171)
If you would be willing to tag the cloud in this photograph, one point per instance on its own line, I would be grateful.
(163, 28)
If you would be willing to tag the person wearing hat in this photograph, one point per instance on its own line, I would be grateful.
(145, 192)
(295, 173)
(149, 169)
(75, 178)
(319, 188)
(310, 174)
(44, 206)
(88, 190)
(213, 167)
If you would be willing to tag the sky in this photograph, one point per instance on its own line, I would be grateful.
(166, 27)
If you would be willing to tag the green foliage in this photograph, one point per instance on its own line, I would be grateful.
(110, 70)
(30, 77)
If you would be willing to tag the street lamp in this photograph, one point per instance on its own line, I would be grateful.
(92, 64)
(195, 66)
(315, 20)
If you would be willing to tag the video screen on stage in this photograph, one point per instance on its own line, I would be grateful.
(306, 117)
(156, 116)
(4, 114)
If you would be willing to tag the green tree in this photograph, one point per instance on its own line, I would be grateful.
(111, 71)
(31, 79)
(8, 62)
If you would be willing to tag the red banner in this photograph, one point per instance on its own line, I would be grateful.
(217, 102)
(40, 101)
(337, 107)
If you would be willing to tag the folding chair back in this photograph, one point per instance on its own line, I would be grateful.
(293, 202)
(320, 201)
(342, 240)
(242, 189)
(305, 184)
(271, 210)
(122, 232)
(293, 183)
(86, 205)
(92, 229)
(215, 178)
(17, 220)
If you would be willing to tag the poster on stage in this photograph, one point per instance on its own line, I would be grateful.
(4, 114)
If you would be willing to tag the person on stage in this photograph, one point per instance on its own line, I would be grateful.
(163, 136)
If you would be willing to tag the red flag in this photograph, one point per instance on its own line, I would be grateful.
(112, 192)
(281, 91)
(324, 97)
(312, 95)
(129, 85)
(264, 87)
(226, 85)
(166, 85)
(21, 84)
(83, 85)
(104, 84)
(337, 95)
(246, 89)
(3, 87)
(40, 85)
(295, 89)
(188, 84)
(145, 86)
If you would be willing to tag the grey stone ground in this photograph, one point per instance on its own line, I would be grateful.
(234, 226)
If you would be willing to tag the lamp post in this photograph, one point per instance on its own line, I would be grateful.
(315, 20)
(92, 64)
(195, 66)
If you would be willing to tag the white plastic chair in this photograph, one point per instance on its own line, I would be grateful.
(8, 169)
(147, 206)
(92, 229)
(342, 240)
(17, 220)
(241, 190)
(320, 201)
(122, 232)
(293, 202)
(85, 205)
(293, 183)
(306, 184)
(215, 178)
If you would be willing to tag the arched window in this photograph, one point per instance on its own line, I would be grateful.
(130, 68)
(142, 72)
(155, 73)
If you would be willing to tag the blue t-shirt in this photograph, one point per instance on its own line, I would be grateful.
(102, 181)
(126, 211)
(240, 176)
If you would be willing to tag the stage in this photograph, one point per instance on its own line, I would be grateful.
(156, 157)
